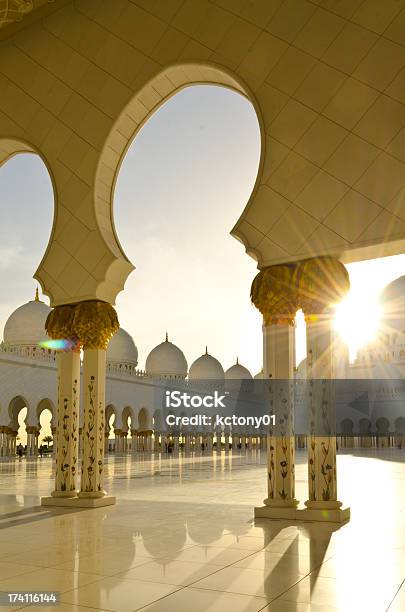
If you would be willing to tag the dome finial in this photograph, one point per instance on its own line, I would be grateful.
(237, 361)
(167, 337)
(36, 295)
(206, 349)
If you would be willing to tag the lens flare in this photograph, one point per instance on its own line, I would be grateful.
(58, 345)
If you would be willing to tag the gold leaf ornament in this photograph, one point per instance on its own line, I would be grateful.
(94, 323)
(59, 323)
(274, 295)
(90, 324)
(321, 283)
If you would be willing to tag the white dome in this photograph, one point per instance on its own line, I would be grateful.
(238, 372)
(166, 359)
(122, 349)
(392, 301)
(26, 325)
(259, 375)
(206, 367)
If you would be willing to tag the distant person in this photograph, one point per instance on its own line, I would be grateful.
(20, 450)
(41, 450)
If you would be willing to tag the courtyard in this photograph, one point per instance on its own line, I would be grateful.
(182, 537)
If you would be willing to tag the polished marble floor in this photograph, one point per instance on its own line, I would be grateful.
(182, 538)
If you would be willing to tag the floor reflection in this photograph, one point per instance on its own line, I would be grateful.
(182, 538)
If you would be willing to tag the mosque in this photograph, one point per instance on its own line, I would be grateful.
(370, 401)
(325, 79)
(133, 396)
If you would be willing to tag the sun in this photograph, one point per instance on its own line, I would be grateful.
(357, 319)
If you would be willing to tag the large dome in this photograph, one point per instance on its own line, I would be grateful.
(206, 367)
(392, 302)
(238, 372)
(26, 325)
(122, 349)
(166, 359)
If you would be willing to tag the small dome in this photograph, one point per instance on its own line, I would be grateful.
(122, 349)
(166, 359)
(26, 325)
(238, 372)
(392, 302)
(206, 367)
(259, 375)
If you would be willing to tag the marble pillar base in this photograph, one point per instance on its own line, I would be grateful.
(325, 515)
(78, 502)
(276, 512)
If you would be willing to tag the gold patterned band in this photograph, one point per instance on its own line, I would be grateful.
(313, 284)
(89, 324)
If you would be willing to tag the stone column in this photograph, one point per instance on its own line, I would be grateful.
(32, 438)
(3, 441)
(124, 441)
(95, 323)
(218, 436)
(67, 427)
(94, 365)
(13, 443)
(36, 438)
(133, 441)
(59, 326)
(54, 438)
(274, 294)
(5, 444)
(118, 440)
(150, 441)
(323, 283)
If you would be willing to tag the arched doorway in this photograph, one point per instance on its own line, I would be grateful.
(27, 217)
(128, 427)
(21, 437)
(185, 177)
(46, 414)
(110, 420)
(144, 430)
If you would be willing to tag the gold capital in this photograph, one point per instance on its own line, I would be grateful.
(273, 292)
(90, 324)
(322, 282)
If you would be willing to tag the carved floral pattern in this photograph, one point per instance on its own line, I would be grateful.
(281, 442)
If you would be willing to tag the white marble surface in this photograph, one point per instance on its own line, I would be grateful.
(182, 538)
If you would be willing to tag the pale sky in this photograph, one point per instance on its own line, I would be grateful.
(183, 184)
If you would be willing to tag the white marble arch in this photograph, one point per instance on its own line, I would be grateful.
(110, 411)
(332, 168)
(161, 86)
(157, 420)
(15, 405)
(128, 413)
(400, 425)
(46, 404)
(383, 426)
(144, 419)
(11, 147)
